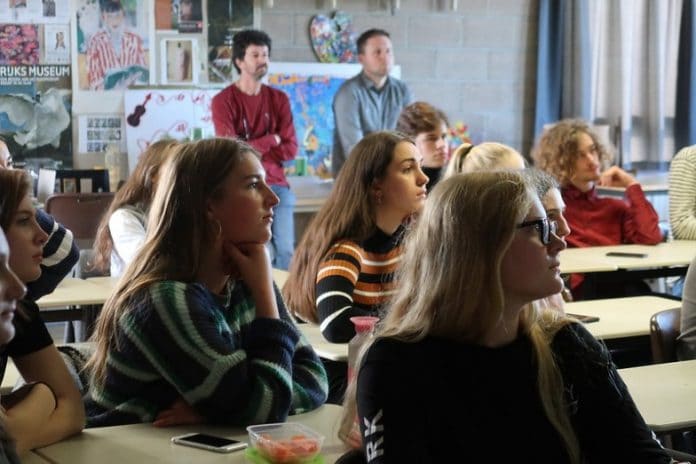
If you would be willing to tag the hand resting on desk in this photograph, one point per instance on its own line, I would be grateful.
(179, 413)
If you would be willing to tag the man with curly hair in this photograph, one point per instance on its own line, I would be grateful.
(573, 153)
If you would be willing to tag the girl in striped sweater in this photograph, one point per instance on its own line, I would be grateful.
(344, 265)
(196, 330)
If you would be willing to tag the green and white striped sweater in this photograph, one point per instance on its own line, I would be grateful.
(181, 341)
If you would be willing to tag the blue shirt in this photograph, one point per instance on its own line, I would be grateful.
(360, 108)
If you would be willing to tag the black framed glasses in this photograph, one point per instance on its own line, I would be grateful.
(544, 226)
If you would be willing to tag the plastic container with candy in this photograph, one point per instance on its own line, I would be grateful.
(285, 443)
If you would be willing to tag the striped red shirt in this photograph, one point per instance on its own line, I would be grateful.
(101, 56)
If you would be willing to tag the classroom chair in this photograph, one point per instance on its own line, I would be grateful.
(665, 327)
(79, 212)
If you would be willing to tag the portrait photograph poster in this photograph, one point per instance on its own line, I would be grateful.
(177, 61)
(56, 43)
(99, 66)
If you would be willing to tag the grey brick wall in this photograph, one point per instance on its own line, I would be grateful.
(477, 63)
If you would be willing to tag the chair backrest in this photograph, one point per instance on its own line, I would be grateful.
(46, 184)
(665, 327)
(82, 180)
(80, 212)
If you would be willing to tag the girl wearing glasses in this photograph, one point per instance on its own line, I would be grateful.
(486, 359)
(491, 156)
(49, 407)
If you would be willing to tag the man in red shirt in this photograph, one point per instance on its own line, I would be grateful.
(260, 115)
(573, 153)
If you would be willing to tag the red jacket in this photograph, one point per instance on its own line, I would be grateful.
(598, 221)
(255, 119)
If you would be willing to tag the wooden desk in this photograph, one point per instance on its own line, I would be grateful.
(678, 253)
(325, 349)
(106, 281)
(33, 458)
(660, 188)
(621, 317)
(618, 318)
(143, 443)
(279, 276)
(664, 394)
(74, 292)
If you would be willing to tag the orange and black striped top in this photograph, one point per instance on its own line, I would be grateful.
(356, 279)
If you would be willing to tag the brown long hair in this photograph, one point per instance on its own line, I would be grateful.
(177, 236)
(15, 185)
(137, 191)
(458, 230)
(348, 213)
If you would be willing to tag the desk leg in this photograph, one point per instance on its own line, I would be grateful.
(87, 322)
(69, 335)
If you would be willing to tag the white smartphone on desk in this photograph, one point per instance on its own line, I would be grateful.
(209, 442)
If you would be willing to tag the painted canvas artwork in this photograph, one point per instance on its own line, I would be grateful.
(311, 99)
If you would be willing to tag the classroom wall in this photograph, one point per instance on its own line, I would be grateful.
(478, 63)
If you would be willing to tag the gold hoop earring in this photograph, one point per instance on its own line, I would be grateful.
(219, 229)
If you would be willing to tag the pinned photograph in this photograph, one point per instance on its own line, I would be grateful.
(56, 44)
(190, 16)
(178, 57)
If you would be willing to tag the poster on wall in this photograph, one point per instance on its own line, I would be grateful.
(224, 19)
(152, 115)
(97, 131)
(177, 58)
(190, 16)
(179, 15)
(112, 44)
(56, 43)
(35, 111)
(166, 15)
(35, 95)
(34, 11)
(19, 44)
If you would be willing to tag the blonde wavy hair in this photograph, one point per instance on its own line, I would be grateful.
(458, 230)
(485, 156)
(557, 149)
